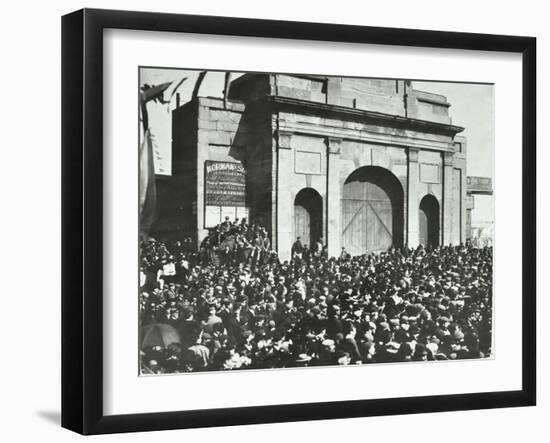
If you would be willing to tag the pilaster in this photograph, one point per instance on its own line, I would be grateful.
(333, 205)
(284, 199)
(413, 178)
(448, 165)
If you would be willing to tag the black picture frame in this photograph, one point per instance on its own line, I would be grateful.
(82, 218)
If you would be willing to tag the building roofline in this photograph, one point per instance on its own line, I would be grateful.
(362, 114)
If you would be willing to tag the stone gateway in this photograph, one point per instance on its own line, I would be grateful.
(363, 164)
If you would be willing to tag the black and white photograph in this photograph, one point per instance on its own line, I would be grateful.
(275, 221)
(289, 220)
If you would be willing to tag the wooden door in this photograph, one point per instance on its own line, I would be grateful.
(367, 218)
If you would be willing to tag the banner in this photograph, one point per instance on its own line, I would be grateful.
(147, 185)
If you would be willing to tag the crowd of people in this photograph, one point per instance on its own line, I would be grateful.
(235, 305)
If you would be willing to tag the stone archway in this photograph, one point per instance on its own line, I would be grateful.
(308, 216)
(428, 223)
(372, 211)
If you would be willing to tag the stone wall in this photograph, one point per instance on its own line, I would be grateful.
(226, 132)
(293, 132)
(428, 106)
(389, 96)
(415, 158)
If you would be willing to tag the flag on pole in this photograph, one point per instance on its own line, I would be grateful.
(154, 93)
(147, 185)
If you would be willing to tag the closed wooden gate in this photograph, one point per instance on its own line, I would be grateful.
(369, 222)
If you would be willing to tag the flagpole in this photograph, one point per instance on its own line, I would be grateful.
(144, 114)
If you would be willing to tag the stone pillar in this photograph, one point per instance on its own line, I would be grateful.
(333, 204)
(273, 145)
(463, 211)
(202, 156)
(447, 231)
(285, 166)
(413, 180)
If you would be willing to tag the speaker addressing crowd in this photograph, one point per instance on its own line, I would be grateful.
(235, 305)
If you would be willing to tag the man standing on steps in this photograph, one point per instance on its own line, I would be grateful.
(318, 248)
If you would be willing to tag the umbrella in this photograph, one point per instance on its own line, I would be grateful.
(158, 334)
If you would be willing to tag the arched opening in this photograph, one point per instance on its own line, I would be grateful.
(428, 234)
(308, 216)
(372, 211)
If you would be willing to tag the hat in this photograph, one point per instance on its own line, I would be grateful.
(392, 347)
(303, 358)
(343, 358)
(432, 347)
(384, 326)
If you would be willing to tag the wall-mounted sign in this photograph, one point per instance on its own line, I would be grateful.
(224, 184)
(479, 185)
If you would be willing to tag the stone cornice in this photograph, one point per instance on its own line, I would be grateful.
(398, 140)
(379, 118)
(432, 101)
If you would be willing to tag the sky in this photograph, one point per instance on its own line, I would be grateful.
(472, 107)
